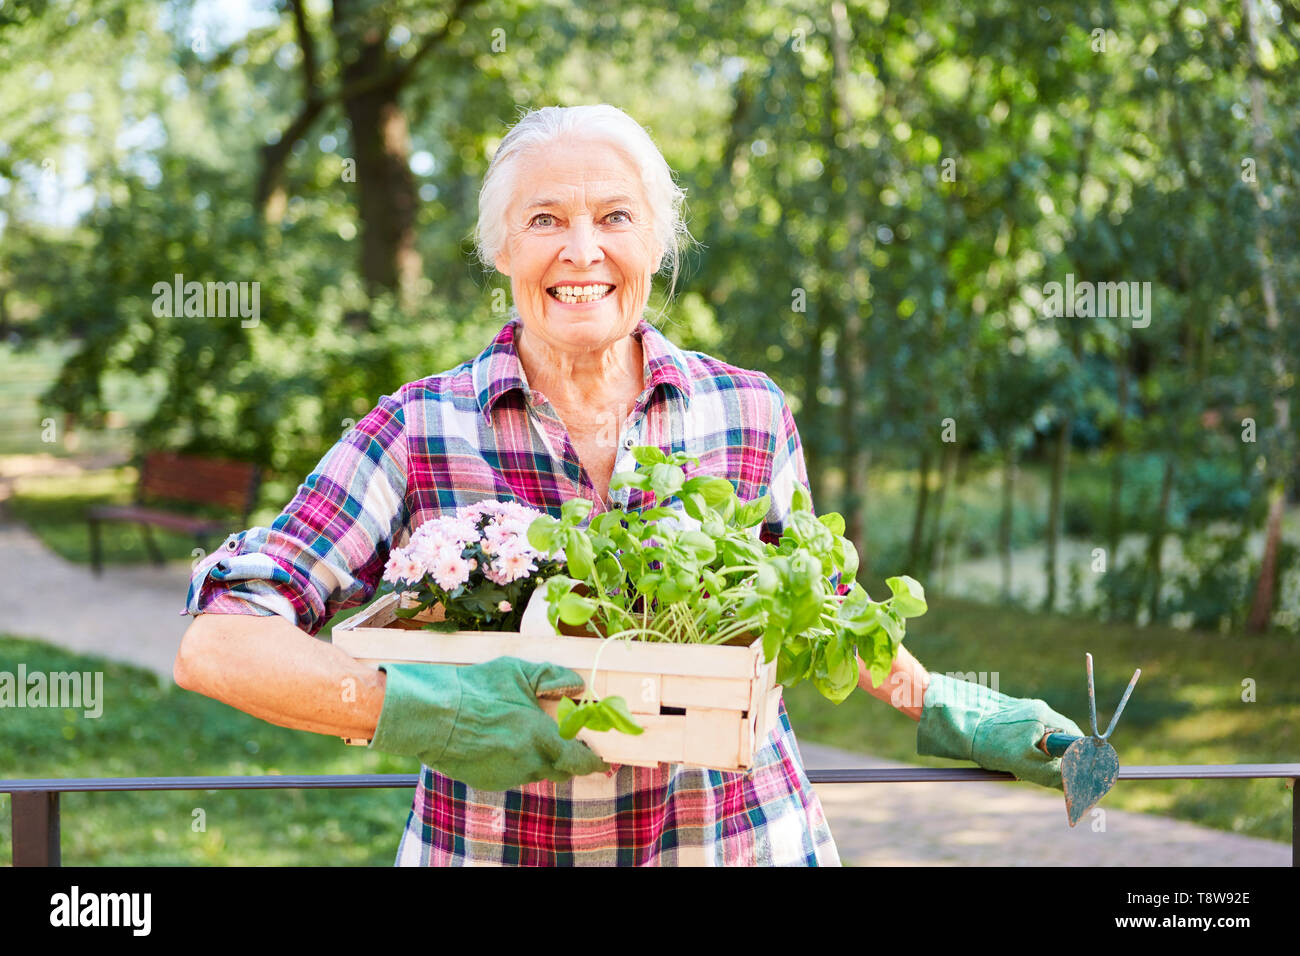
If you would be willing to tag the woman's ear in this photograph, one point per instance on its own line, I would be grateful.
(502, 263)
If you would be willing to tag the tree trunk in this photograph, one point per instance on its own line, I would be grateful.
(1261, 609)
(1115, 517)
(1156, 547)
(813, 410)
(934, 541)
(918, 517)
(1055, 507)
(855, 455)
(1004, 523)
(386, 198)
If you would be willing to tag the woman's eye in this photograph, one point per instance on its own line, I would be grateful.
(627, 217)
(543, 215)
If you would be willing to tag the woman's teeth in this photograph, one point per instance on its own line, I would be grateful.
(574, 294)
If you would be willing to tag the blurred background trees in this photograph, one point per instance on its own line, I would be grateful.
(881, 190)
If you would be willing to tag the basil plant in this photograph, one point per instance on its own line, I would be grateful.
(641, 575)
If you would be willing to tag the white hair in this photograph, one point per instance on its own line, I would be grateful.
(545, 125)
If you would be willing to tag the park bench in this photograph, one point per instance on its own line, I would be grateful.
(166, 476)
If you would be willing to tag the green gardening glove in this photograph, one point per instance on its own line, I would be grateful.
(481, 724)
(967, 721)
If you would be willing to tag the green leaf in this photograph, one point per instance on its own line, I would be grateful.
(846, 559)
(621, 718)
(811, 532)
(649, 455)
(578, 554)
(541, 533)
(714, 490)
(570, 717)
(909, 596)
(575, 509)
(834, 522)
(629, 479)
(693, 504)
(576, 610)
(801, 500)
(751, 513)
(666, 480)
(698, 542)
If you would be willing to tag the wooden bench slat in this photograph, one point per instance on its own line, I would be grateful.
(162, 519)
(198, 480)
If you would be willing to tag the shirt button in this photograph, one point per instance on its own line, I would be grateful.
(628, 442)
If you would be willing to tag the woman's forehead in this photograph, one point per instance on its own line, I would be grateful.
(571, 171)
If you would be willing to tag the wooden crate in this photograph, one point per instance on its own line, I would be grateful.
(704, 705)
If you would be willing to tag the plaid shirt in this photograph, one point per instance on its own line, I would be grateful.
(476, 432)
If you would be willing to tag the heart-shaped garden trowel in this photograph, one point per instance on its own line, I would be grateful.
(1089, 765)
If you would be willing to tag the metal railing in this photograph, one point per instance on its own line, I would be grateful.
(35, 803)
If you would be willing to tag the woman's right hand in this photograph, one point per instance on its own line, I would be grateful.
(481, 723)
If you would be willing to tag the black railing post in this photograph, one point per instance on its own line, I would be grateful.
(36, 828)
(1295, 821)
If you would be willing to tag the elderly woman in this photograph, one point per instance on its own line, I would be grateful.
(580, 210)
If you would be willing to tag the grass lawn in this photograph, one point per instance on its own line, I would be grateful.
(147, 729)
(1186, 709)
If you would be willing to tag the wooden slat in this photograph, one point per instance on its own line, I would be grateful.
(713, 738)
(770, 711)
(641, 691)
(717, 692)
(197, 480)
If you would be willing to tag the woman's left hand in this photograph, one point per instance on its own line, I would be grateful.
(967, 721)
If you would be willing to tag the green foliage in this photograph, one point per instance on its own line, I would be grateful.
(641, 575)
(960, 161)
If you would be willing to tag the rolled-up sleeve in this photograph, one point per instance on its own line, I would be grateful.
(327, 549)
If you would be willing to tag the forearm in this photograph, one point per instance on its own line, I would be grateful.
(266, 667)
(903, 688)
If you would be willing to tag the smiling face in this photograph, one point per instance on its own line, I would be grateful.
(580, 247)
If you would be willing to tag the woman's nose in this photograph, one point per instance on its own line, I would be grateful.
(580, 246)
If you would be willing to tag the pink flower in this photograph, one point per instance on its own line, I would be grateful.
(515, 564)
(402, 567)
(451, 572)
(504, 607)
(496, 576)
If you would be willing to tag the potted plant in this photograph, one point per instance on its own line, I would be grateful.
(645, 576)
(469, 571)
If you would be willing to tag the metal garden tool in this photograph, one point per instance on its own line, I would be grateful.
(1089, 765)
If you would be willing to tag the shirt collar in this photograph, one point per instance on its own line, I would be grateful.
(497, 369)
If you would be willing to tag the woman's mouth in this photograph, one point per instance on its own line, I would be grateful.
(579, 294)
